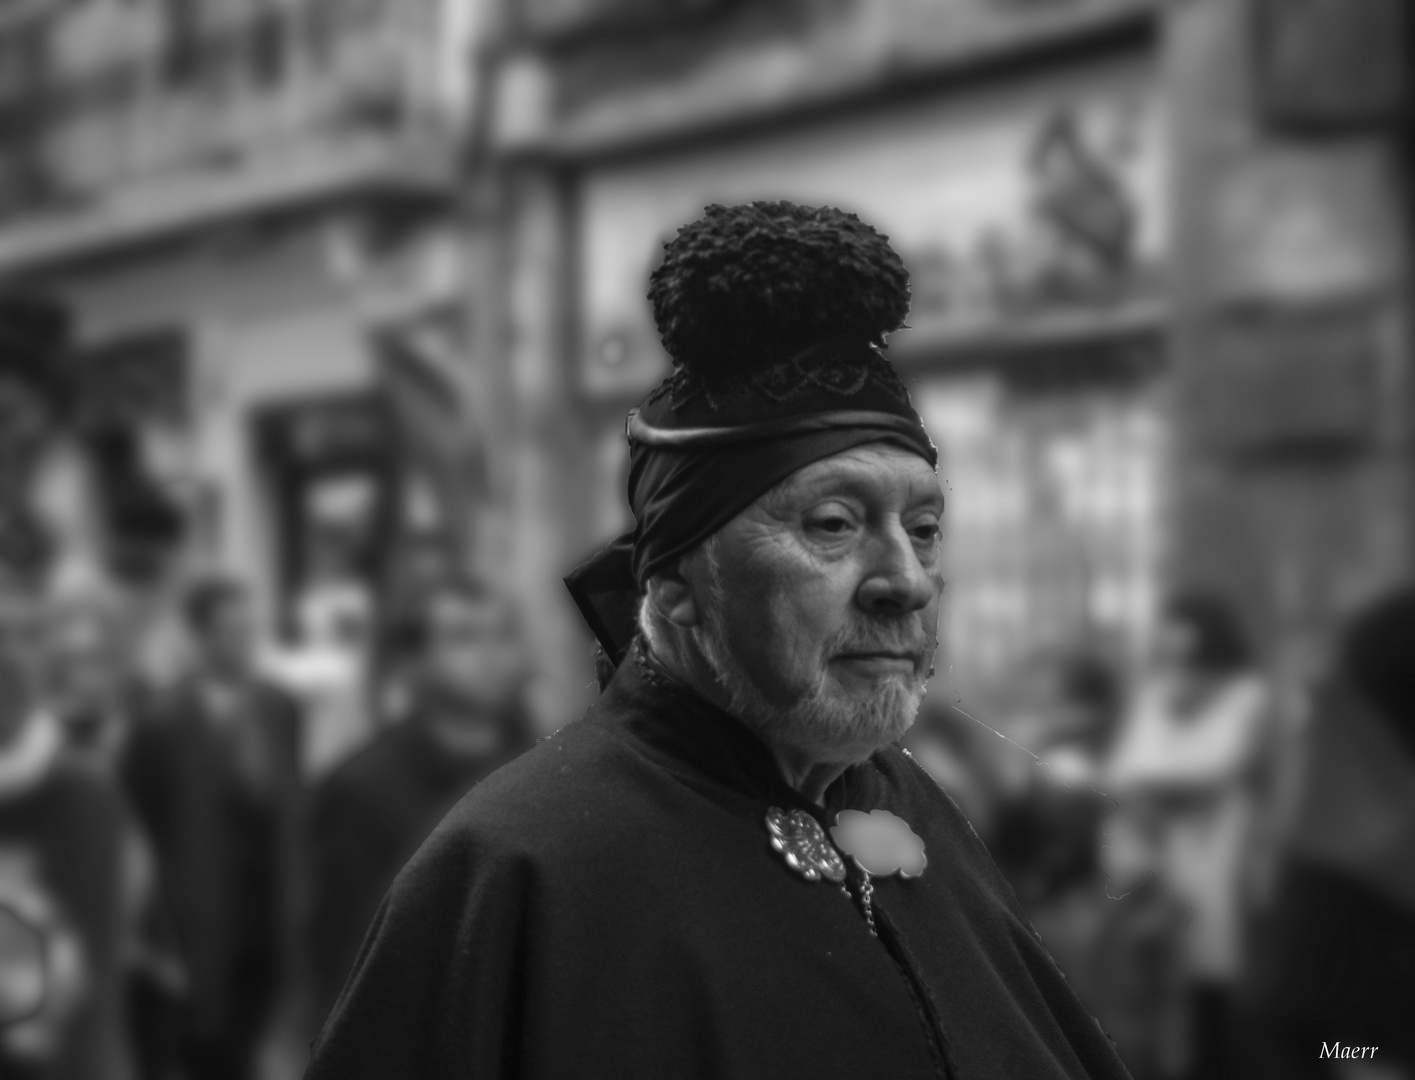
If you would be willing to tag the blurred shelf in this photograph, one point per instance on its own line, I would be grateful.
(1049, 335)
(165, 208)
(770, 82)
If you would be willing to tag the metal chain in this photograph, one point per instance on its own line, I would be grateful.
(867, 891)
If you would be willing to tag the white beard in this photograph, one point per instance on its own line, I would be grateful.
(826, 722)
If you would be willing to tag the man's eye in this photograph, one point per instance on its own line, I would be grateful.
(926, 534)
(835, 524)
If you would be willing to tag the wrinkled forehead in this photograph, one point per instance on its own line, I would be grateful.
(880, 472)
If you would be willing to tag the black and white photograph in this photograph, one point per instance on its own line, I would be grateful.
(707, 540)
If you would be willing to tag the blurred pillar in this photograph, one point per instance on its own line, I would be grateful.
(1290, 343)
(548, 448)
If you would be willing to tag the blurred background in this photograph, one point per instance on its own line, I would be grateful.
(345, 309)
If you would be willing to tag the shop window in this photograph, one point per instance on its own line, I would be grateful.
(1332, 64)
(1054, 519)
(332, 473)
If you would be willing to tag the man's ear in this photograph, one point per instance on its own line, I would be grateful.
(671, 595)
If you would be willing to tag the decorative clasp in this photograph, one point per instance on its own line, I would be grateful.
(803, 844)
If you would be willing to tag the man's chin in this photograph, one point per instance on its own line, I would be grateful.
(846, 725)
(862, 693)
(843, 719)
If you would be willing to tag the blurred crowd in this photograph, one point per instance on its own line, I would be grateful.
(1224, 875)
(184, 887)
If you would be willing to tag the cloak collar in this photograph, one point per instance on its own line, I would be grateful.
(695, 739)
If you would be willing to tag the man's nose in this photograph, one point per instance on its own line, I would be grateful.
(896, 582)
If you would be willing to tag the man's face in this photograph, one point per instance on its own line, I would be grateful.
(821, 602)
(471, 650)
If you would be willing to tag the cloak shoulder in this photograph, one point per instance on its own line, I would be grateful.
(436, 990)
(609, 905)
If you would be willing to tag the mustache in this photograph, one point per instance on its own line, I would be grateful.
(902, 636)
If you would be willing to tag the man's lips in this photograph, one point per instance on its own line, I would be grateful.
(881, 658)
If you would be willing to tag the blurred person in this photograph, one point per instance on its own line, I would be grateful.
(1049, 832)
(727, 868)
(92, 688)
(75, 888)
(1188, 773)
(77, 882)
(456, 652)
(213, 769)
(1047, 837)
(1330, 985)
(327, 671)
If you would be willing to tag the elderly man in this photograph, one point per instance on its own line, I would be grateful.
(726, 868)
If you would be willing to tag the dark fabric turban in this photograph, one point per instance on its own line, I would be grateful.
(774, 315)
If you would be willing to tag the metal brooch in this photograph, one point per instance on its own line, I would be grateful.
(803, 844)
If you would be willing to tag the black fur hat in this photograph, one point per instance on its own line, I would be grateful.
(749, 285)
(775, 316)
(771, 306)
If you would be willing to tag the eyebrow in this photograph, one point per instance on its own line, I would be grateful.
(932, 497)
(854, 482)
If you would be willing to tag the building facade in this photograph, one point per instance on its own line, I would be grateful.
(1291, 311)
(250, 210)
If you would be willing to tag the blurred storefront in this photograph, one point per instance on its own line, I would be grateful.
(250, 209)
(1292, 307)
(1018, 161)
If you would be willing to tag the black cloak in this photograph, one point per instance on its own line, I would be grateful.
(609, 905)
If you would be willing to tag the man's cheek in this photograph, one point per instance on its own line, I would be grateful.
(804, 627)
(767, 644)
